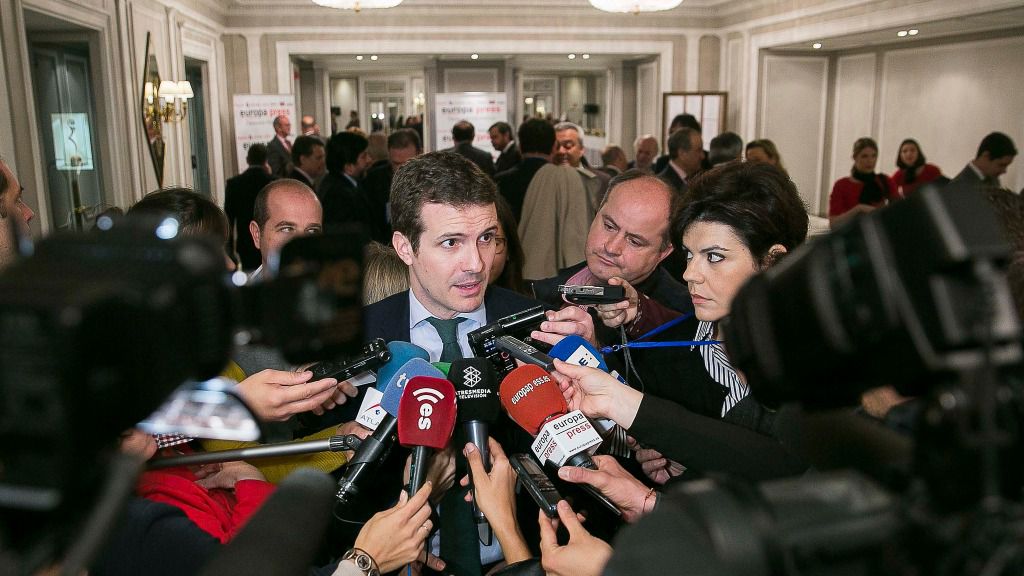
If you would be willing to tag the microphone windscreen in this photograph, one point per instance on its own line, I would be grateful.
(476, 389)
(296, 516)
(426, 416)
(531, 397)
(401, 352)
(396, 385)
(443, 366)
(576, 350)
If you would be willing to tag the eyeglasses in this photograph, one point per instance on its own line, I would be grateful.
(499, 244)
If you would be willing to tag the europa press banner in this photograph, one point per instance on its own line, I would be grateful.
(254, 120)
(482, 109)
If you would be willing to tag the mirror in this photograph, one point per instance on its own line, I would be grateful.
(150, 111)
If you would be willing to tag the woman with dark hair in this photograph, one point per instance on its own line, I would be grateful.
(507, 266)
(764, 150)
(864, 189)
(740, 218)
(914, 171)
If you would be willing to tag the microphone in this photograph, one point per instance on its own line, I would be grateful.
(370, 411)
(476, 390)
(426, 418)
(374, 449)
(533, 400)
(576, 350)
(293, 520)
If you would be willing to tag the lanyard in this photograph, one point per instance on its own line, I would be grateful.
(671, 344)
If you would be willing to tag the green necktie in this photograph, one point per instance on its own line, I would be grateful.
(448, 330)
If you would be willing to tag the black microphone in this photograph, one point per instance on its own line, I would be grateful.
(293, 520)
(476, 389)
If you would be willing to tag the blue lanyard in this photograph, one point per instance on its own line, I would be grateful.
(636, 343)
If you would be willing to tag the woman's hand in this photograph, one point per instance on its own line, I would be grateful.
(396, 536)
(584, 555)
(619, 313)
(229, 474)
(275, 395)
(494, 493)
(352, 428)
(597, 394)
(658, 468)
(612, 480)
(571, 320)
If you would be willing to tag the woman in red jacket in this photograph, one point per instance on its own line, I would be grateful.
(864, 189)
(914, 171)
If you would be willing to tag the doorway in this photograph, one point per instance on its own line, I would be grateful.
(195, 72)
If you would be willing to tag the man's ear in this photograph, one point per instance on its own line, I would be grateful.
(404, 247)
(254, 231)
(666, 251)
(775, 253)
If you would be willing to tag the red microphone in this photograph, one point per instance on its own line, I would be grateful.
(533, 400)
(426, 418)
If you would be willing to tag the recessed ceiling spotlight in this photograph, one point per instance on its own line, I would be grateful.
(816, 45)
(901, 33)
(572, 56)
(360, 57)
(913, 31)
(586, 56)
(474, 56)
(374, 57)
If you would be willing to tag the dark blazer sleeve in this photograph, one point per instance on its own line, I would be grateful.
(708, 445)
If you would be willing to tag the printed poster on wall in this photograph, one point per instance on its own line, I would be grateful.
(254, 120)
(482, 109)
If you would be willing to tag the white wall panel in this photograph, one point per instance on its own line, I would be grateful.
(852, 113)
(793, 103)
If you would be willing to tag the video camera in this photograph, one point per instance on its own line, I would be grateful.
(912, 296)
(97, 329)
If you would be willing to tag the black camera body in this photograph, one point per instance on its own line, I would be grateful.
(483, 339)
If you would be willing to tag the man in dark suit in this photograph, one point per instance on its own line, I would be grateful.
(341, 192)
(501, 139)
(613, 160)
(645, 152)
(279, 149)
(403, 145)
(309, 160)
(685, 151)
(995, 154)
(239, 199)
(536, 140)
(463, 134)
(445, 223)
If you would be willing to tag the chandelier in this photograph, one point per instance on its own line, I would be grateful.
(634, 6)
(358, 5)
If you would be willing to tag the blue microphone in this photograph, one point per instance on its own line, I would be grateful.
(575, 350)
(401, 352)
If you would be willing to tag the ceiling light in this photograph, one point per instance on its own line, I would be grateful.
(572, 56)
(913, 32)
(586, 56)
(357, 5)
(901, 33)
(360, 57)
(374, 57)
(634, 6)
(816, 45)
(474, 56)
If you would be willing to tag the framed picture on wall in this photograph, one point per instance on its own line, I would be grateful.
(708, 107)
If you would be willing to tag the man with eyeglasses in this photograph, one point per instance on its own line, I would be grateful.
(14, 212)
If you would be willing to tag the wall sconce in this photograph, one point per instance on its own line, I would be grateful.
(171, 100)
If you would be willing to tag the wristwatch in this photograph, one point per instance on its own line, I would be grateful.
(363, 561)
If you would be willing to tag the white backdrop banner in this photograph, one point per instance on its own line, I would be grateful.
(482, 109)
(254, 120)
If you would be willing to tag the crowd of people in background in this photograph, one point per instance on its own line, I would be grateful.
(461, 237)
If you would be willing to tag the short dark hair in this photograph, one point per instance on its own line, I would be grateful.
(680, 140)
(685, 121)
(261, 208)
(403, 138)
(304, 146)
(503, 128)
(675, 199)
(256, 155)
(725, 147)
(920, 156)
(611, 153)
(757, 200)
(435, 178)
(344, 148)
(998, 145)
(512, 276)
(277, 120)
(195, 213)
(463, 131)
(536, 136)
